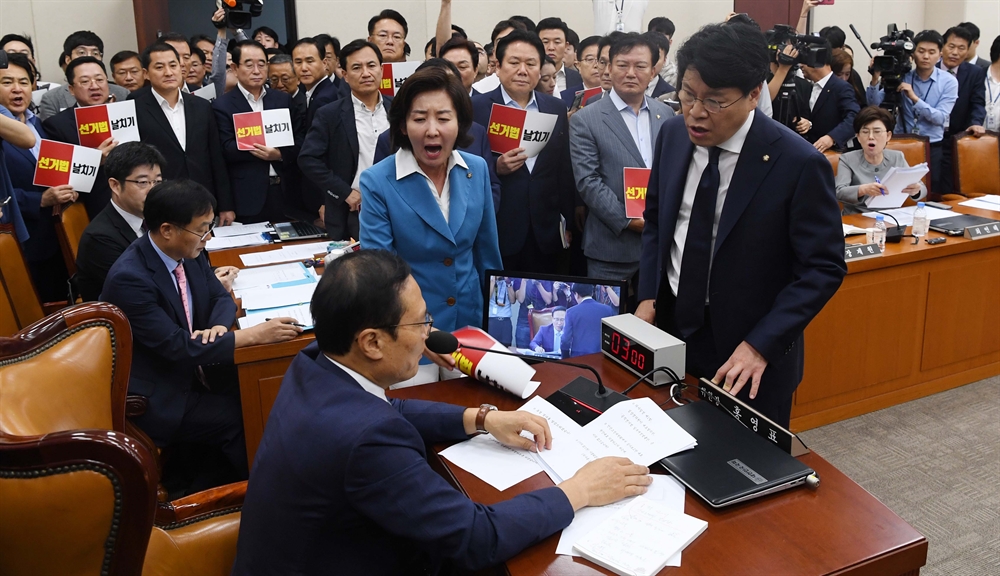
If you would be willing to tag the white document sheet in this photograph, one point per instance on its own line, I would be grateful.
(987, 202)
(285, 254)
(235, 242)
(270, 277)
(242, 229)
(261, 298)
(499, 466)
(850, 230)
(905, 215)
(299, 312)
(895, 180)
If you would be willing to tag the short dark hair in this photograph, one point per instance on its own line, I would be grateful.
(76, 62)
(840, 59)
(199, 54)
(558, 309)
(432, 44)
(325, 39)
(661, 43)
(608, 41)
(176, 202)
(870, 114)
(82, 38)
(355, 45)
(961, 32)
(529, 24)
(269, 31)
(572, 38)
(552, 23)
(124, 56)
(23, 38)
(456, 29)
(237, 49)
(726, 56)
(439, 62)
(429, 79)
(127, 156)
(834, 35)
(548, 60)
(268, 53)
(281, 59)
(459, 43)
(931, 36)
(175, 37)
(319, 45)
(358, 291)
(200, 38)
(23, 62)
(995, 50)
(519, 36)
(743, 19)
(147, 54)
(972, 28)
(503, 25)
(388, 14)
(587, 43)
(631, 41)
(581, 289)
(662, 25)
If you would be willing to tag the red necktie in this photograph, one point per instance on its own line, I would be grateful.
(182, 288)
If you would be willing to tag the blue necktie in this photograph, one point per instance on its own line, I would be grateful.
(689, 309)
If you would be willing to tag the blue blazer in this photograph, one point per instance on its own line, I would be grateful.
(582, 334)
(43, 242)
(569, 94)
(248, 176)
(780, 226)
(534, 199)
(662, 87)
(341, 485)
(164, 357)
(449, 259)
(970, 108)
(545, 337)
(11, 211)
(480, 147)
(833, 113)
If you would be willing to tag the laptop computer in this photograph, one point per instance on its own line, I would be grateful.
(298, 231)
(730, 464)
(956, 225)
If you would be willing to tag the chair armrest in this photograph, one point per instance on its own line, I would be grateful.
(135, 405)
(53, 307)
(203, 504)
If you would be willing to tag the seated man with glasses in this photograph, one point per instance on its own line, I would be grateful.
(180, 316)
(341, 482)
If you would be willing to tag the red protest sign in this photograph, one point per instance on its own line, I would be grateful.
(504, 130)
(636, 183)
(249, 130)
(93, 125)
(53, 167)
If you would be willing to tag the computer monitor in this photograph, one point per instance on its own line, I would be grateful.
(547, 315)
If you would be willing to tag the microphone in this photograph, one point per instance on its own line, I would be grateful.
(893, 235)
(858, 36)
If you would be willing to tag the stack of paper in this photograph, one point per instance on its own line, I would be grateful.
(238, 236)
(264, 298)
(272, 277)
(299, 312)
(987, 202)
(896, 179)
(237, 229)
(905, 215)
(285, 254)
(850, 230)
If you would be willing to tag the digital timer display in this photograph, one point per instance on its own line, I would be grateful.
(626, 351)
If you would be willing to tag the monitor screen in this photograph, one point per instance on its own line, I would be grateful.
(549, 316)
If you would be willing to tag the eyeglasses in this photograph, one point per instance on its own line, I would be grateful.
(876, 132)
(88, 82)
(589, 60)
(427, 323)
(712, 106)
(143, 184)
(81, 52)
(383, 36)
(201, 237)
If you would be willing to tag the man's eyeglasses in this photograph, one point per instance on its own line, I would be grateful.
(712, 106)
(383, 36)
(201, 237)
(143, 184)
(589, 60)
(427, 323)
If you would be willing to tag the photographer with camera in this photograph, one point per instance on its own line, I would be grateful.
(831, 106)
(930, 94)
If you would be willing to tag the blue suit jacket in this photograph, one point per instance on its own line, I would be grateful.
(536, 198)
(480, 147)
(341, 485)
(43, 242)
(164, 357)
(970, 108)
(569, 94)
(780, 226)
(449, 259)
(834, 112)
(11, 211)
(662, 87)
(582, 334)
(248, 176)
(545, 337)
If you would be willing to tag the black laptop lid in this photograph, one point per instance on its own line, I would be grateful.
(958, 223)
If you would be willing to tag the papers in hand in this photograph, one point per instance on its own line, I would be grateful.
(895, 181)
(639, 539)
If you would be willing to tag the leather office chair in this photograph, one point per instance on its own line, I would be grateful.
(834, 157)
(82, 502)
(916, 148)
(976, 163)
(537, 319)
(16, 280)
(70, 221)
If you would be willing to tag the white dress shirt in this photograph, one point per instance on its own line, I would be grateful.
(727, 165)
(638, 126)
(309, 92)
(406, 164)
(369, 386)
(257, 105)
(133, 221)
(817, 89)
(175, 116)
(532, 105)
(606, 15)
(369, 124)
(560, 77)
(992, 102)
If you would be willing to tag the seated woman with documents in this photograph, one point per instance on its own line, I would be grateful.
(860, 172)
(341, 483)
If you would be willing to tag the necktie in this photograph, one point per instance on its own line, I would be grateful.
(182, 288)
(142, 227)
(689, 310)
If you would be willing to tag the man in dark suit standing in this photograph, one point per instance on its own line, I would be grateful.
(830, 107)
(536, 191)
(132, 168)
(180, 317)
(182, 127)
(972, 57)
(254, 175)
(552, 32)
(341, 142)
(582, 334)
(658, 86)
(743, 244)
(969, 113)
(590, 71)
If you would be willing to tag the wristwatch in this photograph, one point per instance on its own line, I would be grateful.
(484, 409)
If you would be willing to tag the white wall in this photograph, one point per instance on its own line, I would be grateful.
(49, 22)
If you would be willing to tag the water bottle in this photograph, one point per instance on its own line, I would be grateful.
(879, 236)
(920, 221)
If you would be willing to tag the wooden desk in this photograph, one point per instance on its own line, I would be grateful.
(837, 529)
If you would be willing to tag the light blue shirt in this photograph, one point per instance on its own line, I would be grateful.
(931, 113)
(171, 264)
(532, 105)
(638, 126)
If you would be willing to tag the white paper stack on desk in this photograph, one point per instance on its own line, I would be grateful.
(278, 291)
(239, 235)
(896, 179)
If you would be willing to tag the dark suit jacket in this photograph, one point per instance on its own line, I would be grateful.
(545, 337)
(970, 108)
(43, 242)
(164, 357)
(662, 87)
(341, 485)
(569, 94)
(582, 333)
(780, 225)
(201, 160)
(572, 77)
(62, 127)
(295, 183)
(329, 159)
(834, 112)
(326, 91)
(536, 198)
(248, 176)
(103, 241)
(480, 147)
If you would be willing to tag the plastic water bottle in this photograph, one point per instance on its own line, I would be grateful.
(879, 236)
(920, 221)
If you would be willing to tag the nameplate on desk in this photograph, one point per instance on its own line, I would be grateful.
(750, 418)
(980, 231)
(855, 252)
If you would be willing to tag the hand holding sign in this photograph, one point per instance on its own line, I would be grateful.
(96, 124)
(58, 195)
(636, 182)
(511, 128)
(269, 129)
(62, 164)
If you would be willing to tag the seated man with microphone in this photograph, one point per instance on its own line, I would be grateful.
(341, 483)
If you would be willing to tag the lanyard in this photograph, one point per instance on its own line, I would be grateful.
(989, 85)
(930, 84)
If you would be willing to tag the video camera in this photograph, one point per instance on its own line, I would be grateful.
(238, 17)
(892, 64)
(813, 51)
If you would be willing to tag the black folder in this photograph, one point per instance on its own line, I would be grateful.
(731, 463)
